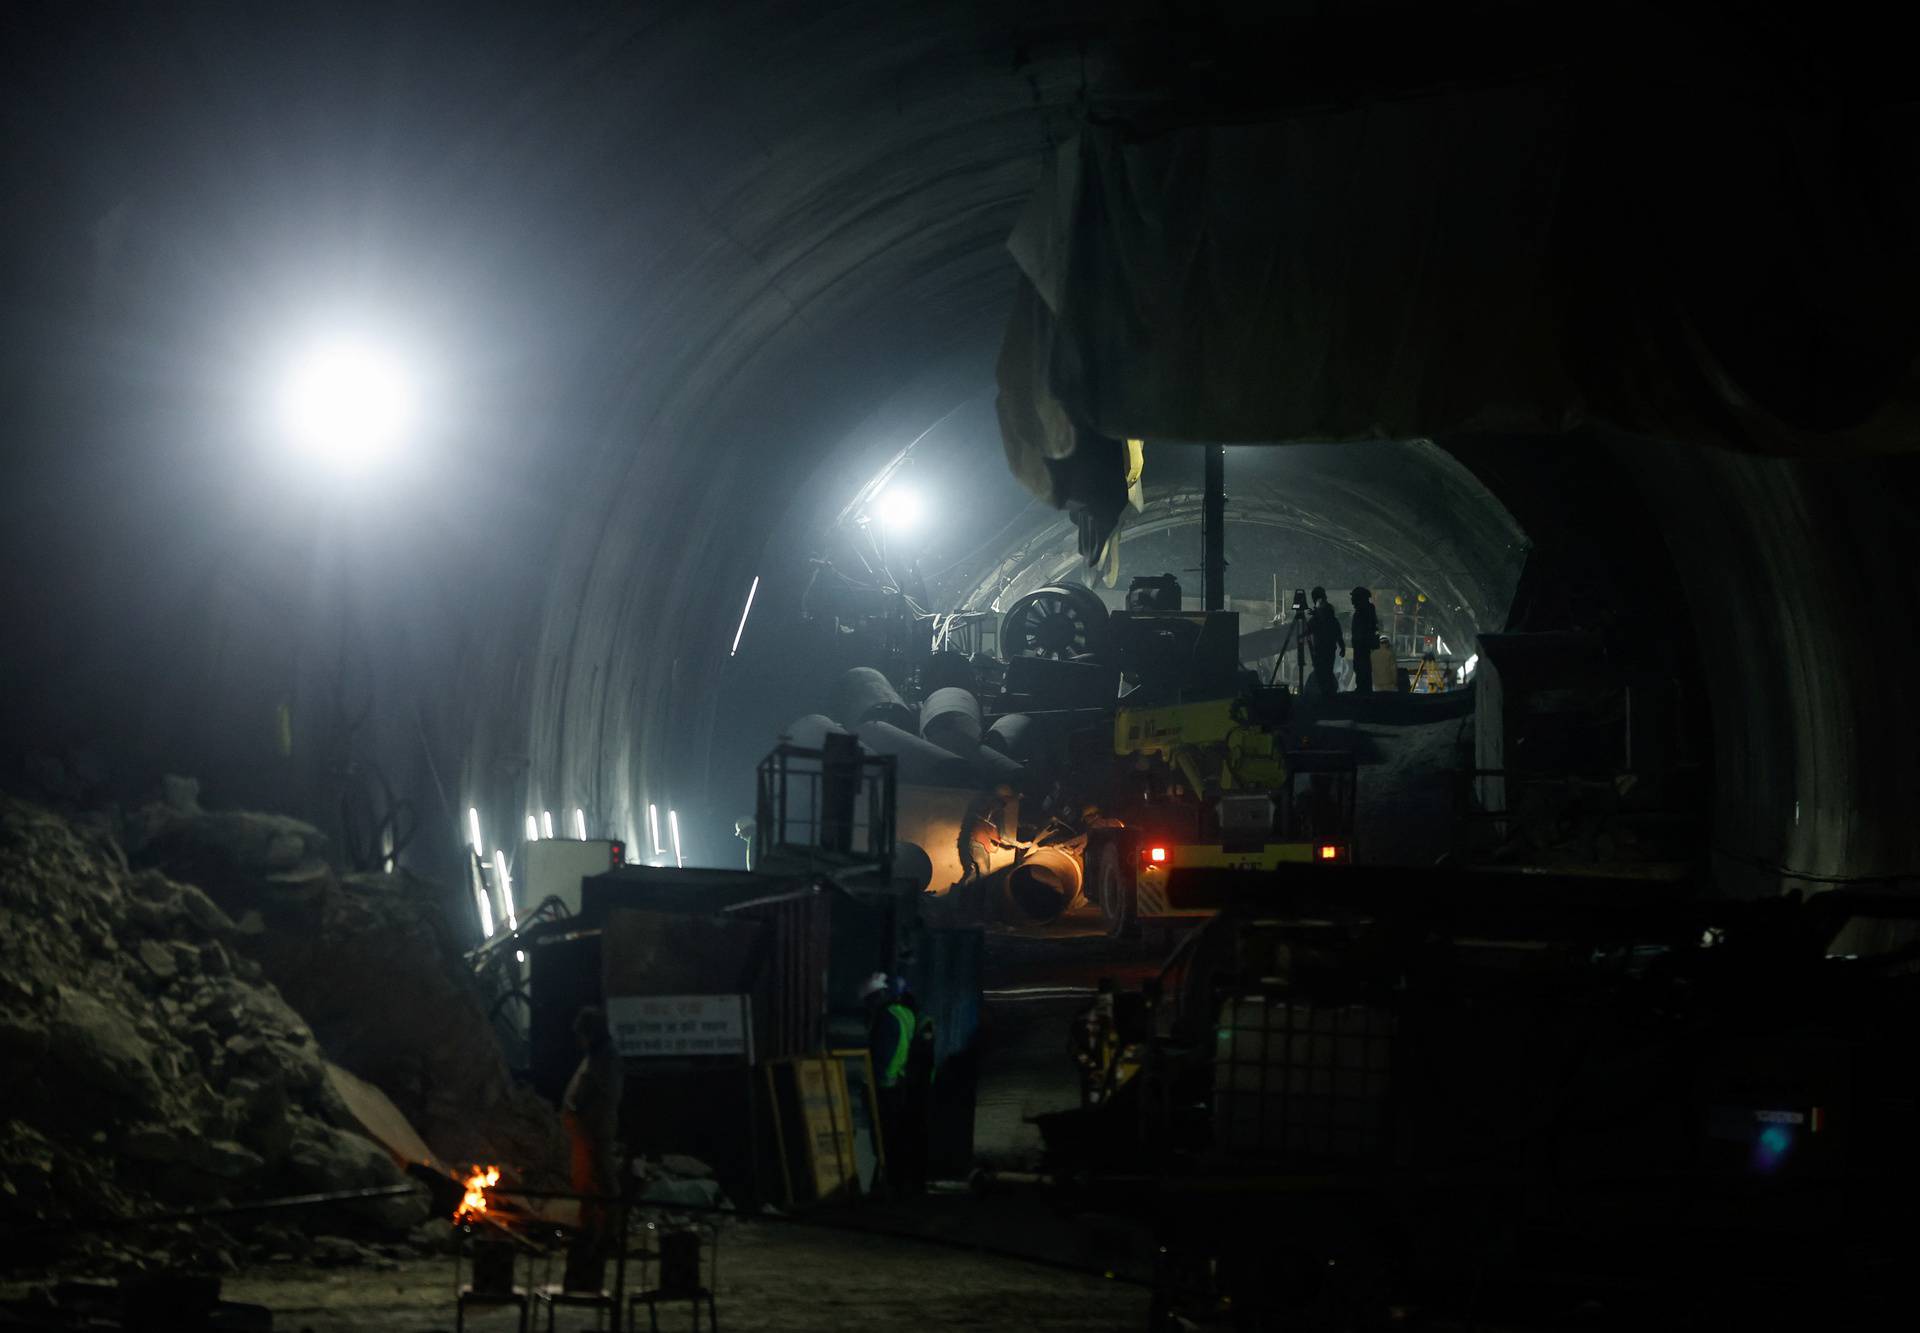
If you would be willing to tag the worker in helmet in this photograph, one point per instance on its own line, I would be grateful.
(892, 1026)
(1365, 632)
(909, 1153)
(1324, 640)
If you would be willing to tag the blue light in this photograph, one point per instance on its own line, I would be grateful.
(1771, 1148)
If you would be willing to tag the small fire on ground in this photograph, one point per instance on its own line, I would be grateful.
(474, 1205)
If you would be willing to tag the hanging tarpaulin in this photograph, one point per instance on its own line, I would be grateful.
(1491, 260)
(1378, 272)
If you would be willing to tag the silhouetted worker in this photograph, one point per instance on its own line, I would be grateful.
(983, 831)
(1324, 640)
(591, 1113)
(916, 1112)
(1366, 632)
(891, 1025)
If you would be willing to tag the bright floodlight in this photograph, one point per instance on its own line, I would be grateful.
(546, 822)
(348, 403)
(533, 829)
(673, 823)
(580, 824)
(473, 826)
(898, 507)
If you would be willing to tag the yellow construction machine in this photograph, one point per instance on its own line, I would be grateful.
(1208, 785)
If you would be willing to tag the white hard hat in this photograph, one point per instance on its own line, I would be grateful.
(877, 982)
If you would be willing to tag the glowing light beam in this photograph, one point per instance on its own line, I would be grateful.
(744, 612)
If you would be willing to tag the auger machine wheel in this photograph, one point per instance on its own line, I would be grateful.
(1062, 622)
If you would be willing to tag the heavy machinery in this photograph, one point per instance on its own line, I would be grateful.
(1138, 744)
(1212, 788)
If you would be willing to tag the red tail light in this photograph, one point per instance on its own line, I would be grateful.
(1328, 852)
(1156, 854)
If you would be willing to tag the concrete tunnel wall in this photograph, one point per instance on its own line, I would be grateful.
(691, 320)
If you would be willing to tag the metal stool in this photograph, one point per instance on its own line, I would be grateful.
(488, 1296)
(679, 1281)
(555, 1296)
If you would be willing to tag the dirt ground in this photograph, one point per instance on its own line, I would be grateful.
(771, 1277)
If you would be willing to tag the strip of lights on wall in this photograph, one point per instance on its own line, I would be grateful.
(745, 611)
(486, 912)
(503, 885)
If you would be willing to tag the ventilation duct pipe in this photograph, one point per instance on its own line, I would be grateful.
(864, 695)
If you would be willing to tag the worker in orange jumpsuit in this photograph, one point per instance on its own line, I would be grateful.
(590, 1112)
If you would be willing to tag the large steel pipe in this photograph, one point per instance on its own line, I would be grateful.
(1043, 886)
(864, 695)
(950, 718)
(810, 732)
(993, 768)
(918, 761)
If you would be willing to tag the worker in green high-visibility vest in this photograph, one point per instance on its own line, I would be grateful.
(892, 1029)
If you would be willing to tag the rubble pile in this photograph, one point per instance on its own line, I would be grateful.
(152, 1066)
(368, 961)
(175, 982)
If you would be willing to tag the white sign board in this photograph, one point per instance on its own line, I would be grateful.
(680, 1025)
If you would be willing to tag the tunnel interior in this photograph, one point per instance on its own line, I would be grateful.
(681, 379)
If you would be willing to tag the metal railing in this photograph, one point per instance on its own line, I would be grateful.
(825, 808)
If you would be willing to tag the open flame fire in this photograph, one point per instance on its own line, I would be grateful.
(479, 1181)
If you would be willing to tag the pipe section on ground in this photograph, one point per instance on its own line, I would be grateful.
(912, 867)
(1042, 887)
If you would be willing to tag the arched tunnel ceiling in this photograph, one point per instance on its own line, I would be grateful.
(671, 259)
(1403, 515)
(685, 276)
